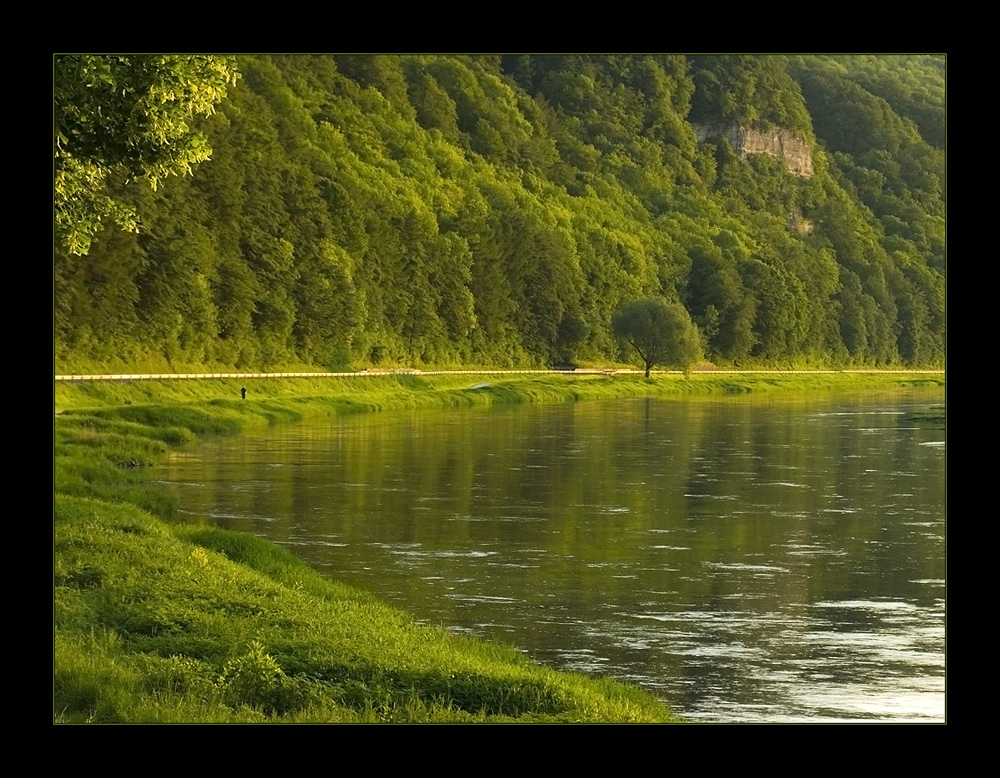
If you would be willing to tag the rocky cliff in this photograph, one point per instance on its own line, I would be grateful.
(776, 142)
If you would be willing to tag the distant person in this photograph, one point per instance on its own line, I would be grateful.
(243, 392)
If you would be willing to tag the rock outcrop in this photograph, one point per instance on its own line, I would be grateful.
(776, 142)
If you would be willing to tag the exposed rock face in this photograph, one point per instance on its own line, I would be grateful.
(776, 142)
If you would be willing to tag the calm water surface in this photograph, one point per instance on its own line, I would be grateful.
(756, 559)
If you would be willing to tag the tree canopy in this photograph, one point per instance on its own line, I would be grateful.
(130, 117)
(661, 333)
(419, 209)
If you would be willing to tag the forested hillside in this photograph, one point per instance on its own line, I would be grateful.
(498, 210)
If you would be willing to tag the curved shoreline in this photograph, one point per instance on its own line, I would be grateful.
(156, 621)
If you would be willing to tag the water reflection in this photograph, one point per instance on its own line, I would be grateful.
(754, 559)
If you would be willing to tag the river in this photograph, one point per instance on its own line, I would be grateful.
(749, 559)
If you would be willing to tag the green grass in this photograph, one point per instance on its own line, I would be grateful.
(162, 622)
(269, 399)
(158, 623)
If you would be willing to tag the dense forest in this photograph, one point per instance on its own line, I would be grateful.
(354, 211)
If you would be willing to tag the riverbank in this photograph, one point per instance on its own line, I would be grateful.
(365, 392)
(155, 621)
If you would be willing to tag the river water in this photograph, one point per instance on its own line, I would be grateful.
(747, 560)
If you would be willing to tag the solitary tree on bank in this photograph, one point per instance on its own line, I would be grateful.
(662, 333)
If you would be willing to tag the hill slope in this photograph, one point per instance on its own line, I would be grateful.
(364, 210)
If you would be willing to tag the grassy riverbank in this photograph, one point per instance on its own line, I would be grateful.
(157, 621)
(279, 397)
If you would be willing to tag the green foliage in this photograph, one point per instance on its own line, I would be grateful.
(720, 304)
(437, 209)
(747, 91)
(660, 332)
(128, 117)
(256, 680)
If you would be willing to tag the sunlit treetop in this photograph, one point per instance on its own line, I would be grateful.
(127, 116)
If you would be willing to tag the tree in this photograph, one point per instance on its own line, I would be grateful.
(660, 332)
(125, 117)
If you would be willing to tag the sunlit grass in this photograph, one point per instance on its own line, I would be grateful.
(325, 396)
(180, 623)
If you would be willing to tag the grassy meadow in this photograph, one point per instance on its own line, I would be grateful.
(157, 621)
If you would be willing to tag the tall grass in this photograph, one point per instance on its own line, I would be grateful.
(171, 623)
